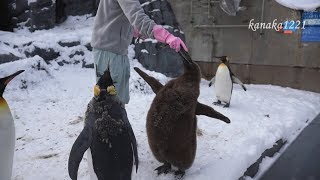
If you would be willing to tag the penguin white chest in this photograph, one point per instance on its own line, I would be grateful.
(223, 84)
(7, 141)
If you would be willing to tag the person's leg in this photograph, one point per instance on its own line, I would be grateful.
(119, 68)
(101, 62)
(120, 73)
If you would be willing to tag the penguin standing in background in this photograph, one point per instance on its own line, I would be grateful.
(223, 81)
(108, 136)
(7, 132)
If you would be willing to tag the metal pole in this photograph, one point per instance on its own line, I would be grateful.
(262, 16)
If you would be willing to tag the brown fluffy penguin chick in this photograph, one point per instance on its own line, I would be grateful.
(172, 122)
(201, 109)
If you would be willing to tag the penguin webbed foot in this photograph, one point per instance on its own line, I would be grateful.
(179, 174)
(227, 105)
(217, 103)
(164, 169)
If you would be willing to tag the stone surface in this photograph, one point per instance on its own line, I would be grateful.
(159, 58)
(5, 22)
(88, 46)
(69, 44)
(85, 65)
(79, 7)
(42, 15)
(155, 57)
(4, 58)
(78, 52)
(47, 54)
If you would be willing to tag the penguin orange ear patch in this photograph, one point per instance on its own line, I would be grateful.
(96, 90)
(112, 90)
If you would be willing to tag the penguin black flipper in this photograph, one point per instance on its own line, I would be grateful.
(153, 82)
(79, 147)
(203, 109)
(236, 80)
(131, 136)
(212, 81)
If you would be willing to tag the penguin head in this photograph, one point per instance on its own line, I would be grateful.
(105, 80)
(190, 66)
(223, 59)
(5, 81)
(105, 83)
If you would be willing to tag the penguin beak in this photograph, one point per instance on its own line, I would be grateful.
(185, 55)
(9, 78)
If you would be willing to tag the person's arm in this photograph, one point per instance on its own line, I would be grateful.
(137, 18)
(147, 27)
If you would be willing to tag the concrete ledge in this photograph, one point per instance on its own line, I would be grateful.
(254, 168)
(302, 158)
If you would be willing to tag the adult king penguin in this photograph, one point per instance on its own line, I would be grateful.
(107, 134)
(7, 132)
(223, 82)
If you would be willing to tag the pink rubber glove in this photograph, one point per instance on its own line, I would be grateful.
(162, 35)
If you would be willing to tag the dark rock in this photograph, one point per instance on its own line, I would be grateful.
(20, 12)
(62, 63)
(47, 54)
(160, 59)
(20, 7)
(5, 58)
(88, 46)
(95, 6)
(23, 17)
(28, 23)
(76, 62)
(69, 44)
(39, 4)
(27, 44)
(79, 7)
(42, 15)
(85, 65)
(61, 15)
(76, 53)
(5, 20)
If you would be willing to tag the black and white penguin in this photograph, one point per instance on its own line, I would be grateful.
(107, 134)
(7, 132)
(223, 82)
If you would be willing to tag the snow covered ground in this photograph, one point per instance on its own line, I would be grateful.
(49, 111)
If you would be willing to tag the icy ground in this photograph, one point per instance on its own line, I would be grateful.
(49, 111)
